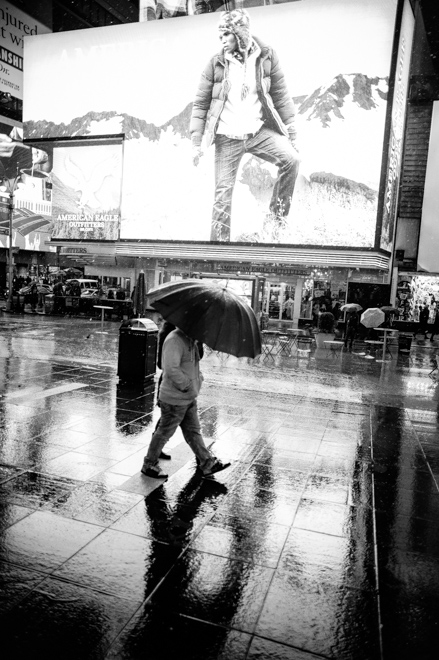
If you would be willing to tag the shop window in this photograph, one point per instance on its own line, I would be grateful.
(413, 293)
(279, 301)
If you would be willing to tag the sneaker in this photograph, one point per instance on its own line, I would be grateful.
(217, 466)
(164, 456)
(154, 472)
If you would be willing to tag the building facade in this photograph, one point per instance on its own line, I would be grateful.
(364, 140)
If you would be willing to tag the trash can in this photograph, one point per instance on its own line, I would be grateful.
(137, 351)
(49, 302)
(404, 342)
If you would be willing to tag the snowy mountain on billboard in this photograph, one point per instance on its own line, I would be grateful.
(340, 129)
(334, 100)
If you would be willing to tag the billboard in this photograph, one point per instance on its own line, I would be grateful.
(330, 58)
(15, 25)
(397, 127)
(24, 172)
(87, 183)
(428, 259)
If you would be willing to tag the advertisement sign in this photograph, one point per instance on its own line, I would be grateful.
(331, 58)
(397, 127)
(15, 25)
(429, 237)
(24, 173)
(87, 180)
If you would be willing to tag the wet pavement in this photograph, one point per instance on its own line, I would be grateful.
(320, 541)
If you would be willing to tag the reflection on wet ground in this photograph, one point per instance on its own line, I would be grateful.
(320, 541)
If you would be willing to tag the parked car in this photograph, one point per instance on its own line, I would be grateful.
(88, 288)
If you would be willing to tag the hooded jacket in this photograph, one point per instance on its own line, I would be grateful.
(182, 378)
(277, 106)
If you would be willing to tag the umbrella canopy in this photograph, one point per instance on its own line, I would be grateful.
(388, 309)
(40, 288)
(351, 307)
(372, 317)
(210, 313)
(139, 302)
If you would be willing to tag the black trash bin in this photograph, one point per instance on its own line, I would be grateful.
(137, 351)
(404, 342)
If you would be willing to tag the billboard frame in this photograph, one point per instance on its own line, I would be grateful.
(90, 140)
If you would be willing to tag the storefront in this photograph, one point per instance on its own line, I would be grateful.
(293, 293)
(305, 294)
(414, 291)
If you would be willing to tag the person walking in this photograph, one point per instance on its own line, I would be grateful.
(352, 324)
(178, 394)
(59, 297)
(423, 320)
(435, 326)
(243, 106)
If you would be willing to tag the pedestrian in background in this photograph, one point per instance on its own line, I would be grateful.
(424, 315)
(435, 326)
(352, 323)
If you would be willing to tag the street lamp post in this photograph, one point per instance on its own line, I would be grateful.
(10, 190)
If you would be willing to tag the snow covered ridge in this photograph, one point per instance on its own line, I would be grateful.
(326, 103)
(334, 100)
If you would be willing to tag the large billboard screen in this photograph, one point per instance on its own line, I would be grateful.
(397, 127)
(167, 85)
(429, 237)
(86, 180)
(25, 184)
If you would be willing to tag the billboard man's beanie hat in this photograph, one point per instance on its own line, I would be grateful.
(237, 22)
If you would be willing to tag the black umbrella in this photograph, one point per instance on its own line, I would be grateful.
(72, 273)
(213, 314)
(139, 302)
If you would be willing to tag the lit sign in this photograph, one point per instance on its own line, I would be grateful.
(339, 87)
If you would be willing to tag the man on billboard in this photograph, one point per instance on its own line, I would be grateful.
(243, 106)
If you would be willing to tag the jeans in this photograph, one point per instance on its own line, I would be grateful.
(266, 144)
(172, 417)
(350, 336)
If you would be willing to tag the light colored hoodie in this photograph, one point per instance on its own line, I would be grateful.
(181, 372)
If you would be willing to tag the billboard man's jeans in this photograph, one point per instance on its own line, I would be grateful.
(267, 145)
(185, 416)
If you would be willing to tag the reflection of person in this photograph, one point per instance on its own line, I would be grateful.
(179, 389)
(243, 106)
